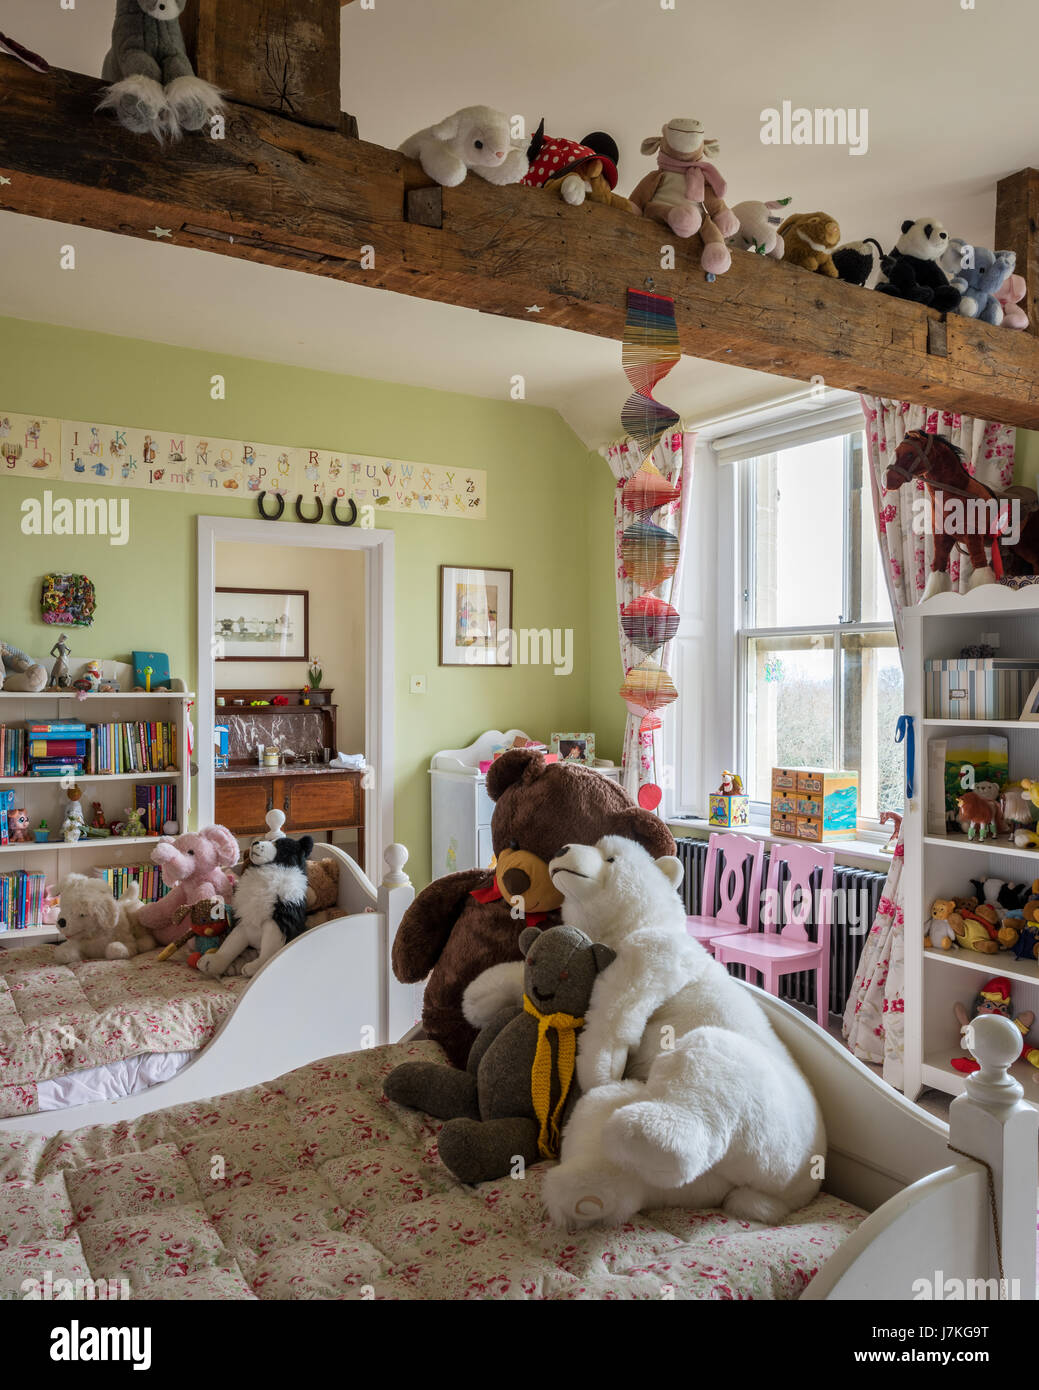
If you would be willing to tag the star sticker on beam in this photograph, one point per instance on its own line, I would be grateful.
(3, 180)
(533, 308)
(159, 232)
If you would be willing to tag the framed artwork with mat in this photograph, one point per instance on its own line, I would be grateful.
(475, 616)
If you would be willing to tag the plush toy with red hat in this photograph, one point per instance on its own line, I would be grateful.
(994, 998)
(575, 170)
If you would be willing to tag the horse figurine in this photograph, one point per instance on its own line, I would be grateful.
(965, 512)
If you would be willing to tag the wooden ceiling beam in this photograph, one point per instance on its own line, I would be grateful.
(1017, 229)
(297, 196)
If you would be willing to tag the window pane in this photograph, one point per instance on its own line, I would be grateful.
(799, 547)
(871, 697)
(790, 705)
(869, 602)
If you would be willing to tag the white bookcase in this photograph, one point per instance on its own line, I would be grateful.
(44, 797)
(938, 867)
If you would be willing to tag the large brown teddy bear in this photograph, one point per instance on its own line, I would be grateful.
(464, 923)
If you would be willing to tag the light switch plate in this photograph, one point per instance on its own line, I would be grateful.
(418, 685)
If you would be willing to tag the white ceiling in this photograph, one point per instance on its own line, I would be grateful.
(938, 140)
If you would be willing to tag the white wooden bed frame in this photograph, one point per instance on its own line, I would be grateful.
(931, 1208)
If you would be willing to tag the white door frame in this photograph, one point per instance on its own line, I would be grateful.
(377, 548)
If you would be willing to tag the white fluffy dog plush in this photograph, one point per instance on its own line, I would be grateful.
(476, 138)
(688, 1097)
(95, 926)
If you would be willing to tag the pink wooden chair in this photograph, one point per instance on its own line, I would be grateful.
(741, 861)
(773, 953)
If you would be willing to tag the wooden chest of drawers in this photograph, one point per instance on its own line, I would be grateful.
(311, 801)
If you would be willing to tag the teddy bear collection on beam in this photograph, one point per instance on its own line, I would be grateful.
(155, 91)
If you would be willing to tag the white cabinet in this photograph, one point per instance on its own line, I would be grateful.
(461, 807)
(938, 866)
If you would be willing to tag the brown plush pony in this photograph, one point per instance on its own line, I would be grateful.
(462, 924)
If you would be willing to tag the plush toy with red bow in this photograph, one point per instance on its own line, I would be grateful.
(575, 170)
(994, 998)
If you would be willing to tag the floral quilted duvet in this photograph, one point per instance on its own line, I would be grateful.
(314, 1186)
(56, 1019)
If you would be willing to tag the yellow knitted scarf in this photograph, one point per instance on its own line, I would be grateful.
(566, 1026)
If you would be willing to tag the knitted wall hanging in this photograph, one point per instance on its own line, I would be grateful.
(67, 600)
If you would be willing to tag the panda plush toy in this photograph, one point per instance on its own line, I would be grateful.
(270, 903)
(912, 269)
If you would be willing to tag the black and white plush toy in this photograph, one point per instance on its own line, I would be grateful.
(270, 903)
(912, 269)
(859, 262)
(155, 90)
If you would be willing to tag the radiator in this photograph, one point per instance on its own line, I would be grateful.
(857, 894)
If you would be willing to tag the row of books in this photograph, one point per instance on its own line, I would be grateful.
(159, 804)
(64, 747)
(21, 900)
(120, 876)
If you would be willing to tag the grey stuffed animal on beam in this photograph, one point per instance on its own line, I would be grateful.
(155, 90)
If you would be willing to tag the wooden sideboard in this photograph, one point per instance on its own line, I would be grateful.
(312, 799)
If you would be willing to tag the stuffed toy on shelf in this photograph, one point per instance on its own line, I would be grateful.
(154, 88)
(576, 170)
(18, 672)
(912, 269)
(860, 262)
(519, 1086)
(759, 227)
(979, 275)
(810, 239)
(1010, 296)
(475, 139)
(686, 192)
(994, 998)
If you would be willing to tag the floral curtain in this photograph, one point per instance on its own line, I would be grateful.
(873, 1019)
(673, 458)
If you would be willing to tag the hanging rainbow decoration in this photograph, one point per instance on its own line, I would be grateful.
(649, 552)
(649, 351)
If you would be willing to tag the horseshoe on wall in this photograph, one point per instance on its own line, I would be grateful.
(310, 519)
(338, 519)
(265, 514)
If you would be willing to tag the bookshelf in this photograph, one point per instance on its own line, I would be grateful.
(43, 797)
(941, 866)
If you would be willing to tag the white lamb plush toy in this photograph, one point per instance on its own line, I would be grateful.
(476, 138)
(688, 1097)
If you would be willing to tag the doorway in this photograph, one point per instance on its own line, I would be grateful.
(340, 611)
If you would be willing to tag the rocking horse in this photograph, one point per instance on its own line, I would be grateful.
(964, 512)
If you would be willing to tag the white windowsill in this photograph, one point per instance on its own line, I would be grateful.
(854, 854)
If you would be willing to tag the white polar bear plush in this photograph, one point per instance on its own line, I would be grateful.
(476, 138)
(688, 1097)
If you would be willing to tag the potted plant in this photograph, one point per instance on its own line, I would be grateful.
(315, 675)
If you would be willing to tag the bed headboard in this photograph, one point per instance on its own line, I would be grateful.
(878, 1142)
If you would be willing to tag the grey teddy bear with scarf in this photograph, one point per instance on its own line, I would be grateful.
(155, 90)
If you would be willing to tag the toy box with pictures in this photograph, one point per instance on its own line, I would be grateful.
(814, 804)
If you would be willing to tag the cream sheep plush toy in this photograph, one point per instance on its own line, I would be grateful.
(475, 138)
(155, 90)
(689, 1098)
(686, 192)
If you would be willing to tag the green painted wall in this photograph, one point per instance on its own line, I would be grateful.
(546, 494)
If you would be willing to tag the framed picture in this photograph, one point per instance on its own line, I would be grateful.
(573, 748)
(261, 625)
(475, 616)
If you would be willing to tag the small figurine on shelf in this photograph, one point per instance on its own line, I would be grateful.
(977, 813)
(134, 825)
(73, 827)
(993, 998)
(97, 820)
(729, 805)
(60, 678)
(18, 824)
(304, 695)
(147, 673)
(42, 833)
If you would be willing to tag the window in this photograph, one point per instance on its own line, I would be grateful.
(819, 671)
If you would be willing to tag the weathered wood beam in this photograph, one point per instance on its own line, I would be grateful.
(278, 55)
(309, 199)
(1017, 229)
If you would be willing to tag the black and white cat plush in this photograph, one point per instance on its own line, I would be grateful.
(270, 903)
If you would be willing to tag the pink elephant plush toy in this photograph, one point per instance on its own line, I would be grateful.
(192, 867)
(1010, 296)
